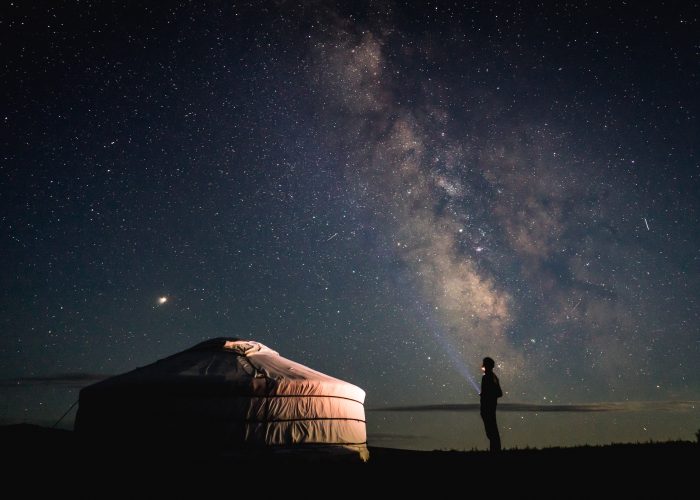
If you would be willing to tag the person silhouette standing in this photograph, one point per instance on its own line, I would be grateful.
(490, 392)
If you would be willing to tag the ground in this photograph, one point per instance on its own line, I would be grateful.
(41, 457)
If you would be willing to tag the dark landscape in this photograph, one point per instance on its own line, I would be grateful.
(629, 468)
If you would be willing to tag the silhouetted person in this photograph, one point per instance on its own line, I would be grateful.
(490, 392)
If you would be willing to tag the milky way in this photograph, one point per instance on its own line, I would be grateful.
(386, 192)
(496, 226)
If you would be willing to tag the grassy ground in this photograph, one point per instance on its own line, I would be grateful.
(629, 470)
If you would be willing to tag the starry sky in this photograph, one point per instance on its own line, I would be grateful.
(384, 191)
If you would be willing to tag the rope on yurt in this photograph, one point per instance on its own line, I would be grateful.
(64, 415)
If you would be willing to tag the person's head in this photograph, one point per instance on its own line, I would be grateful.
(487, 365)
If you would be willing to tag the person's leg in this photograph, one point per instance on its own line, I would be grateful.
(492, 431)
(495, 436)
(484, 418)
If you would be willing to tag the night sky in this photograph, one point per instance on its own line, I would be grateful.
(384, 191)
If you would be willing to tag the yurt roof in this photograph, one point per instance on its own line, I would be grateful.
(234, 367)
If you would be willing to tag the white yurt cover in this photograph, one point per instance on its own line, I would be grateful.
(228, 395)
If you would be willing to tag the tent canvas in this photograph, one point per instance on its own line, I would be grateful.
(227, 395)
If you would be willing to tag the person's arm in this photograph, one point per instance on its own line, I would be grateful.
(486, 386)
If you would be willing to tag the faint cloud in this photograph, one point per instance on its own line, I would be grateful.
(564, 408)
(382, 437)
(64, 379)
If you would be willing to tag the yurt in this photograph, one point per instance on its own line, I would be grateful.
(227, 396)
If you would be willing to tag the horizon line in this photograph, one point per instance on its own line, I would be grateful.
(597, 407)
